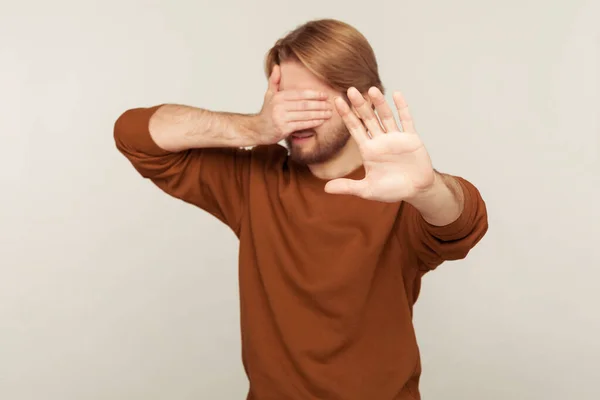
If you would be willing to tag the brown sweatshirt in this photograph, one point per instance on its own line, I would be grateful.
(327, 282)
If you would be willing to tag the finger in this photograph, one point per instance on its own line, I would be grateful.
(274, 79)
(347, 186)
(307, 115)
(304, 95)
(354, 125)
(403, 114)
(386, 116)
(302, 125)
(365, 111)
(307, 105)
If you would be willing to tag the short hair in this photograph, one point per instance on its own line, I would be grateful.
(334, 51)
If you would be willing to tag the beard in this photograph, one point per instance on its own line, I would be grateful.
(323, 147)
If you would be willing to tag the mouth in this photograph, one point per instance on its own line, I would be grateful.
(301, 136)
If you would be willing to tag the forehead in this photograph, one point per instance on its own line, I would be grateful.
(295, 76)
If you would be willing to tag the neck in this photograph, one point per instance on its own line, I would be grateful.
(343, 163)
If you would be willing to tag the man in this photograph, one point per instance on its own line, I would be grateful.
(335, 231)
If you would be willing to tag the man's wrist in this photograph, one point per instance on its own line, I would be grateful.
(442, 202)
(251, 127)
(238, 130)
(426, 195)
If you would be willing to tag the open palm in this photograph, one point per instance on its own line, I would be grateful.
(396, 162)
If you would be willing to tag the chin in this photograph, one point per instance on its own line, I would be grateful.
(317, 149)
(308, 159)
(314, 155)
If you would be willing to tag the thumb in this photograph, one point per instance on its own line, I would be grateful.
(346, 186)
(274, 79)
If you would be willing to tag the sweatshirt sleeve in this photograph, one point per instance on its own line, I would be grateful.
(436, 244)
(213, 179)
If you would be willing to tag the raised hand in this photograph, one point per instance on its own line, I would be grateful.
(396, 162)
(284, 112)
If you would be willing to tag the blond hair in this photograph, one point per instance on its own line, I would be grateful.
(332, 50)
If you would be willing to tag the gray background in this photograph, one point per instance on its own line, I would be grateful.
(109, 289)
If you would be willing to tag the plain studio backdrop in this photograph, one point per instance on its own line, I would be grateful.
(109, 289)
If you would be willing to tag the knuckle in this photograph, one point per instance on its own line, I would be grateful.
(277, 120)
(278, 113)
(276, 101)
(280, 128)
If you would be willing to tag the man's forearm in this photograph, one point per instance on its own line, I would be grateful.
(178, 127)
(443, 203)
